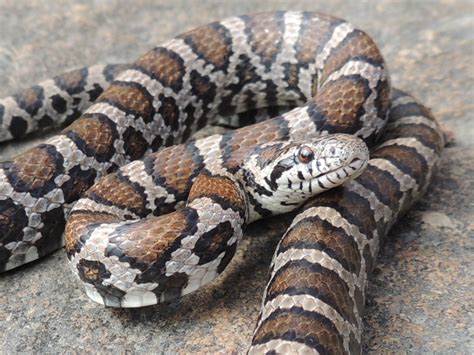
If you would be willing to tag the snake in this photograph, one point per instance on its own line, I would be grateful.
(150, 214)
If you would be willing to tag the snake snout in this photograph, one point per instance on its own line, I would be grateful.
(336, 159)
(301, 170)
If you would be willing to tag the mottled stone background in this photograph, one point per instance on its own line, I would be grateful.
(420, 298)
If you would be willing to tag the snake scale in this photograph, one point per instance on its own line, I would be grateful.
(147, 224)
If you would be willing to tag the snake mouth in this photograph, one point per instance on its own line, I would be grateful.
(357, 164)
(335, 177)
(349, 169)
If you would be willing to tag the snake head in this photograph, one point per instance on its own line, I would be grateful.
(280, 176)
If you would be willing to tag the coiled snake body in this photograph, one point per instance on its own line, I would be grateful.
(122, 240)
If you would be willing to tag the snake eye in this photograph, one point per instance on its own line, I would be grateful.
(306, 154)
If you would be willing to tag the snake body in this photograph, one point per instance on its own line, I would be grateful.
(335, 76)
(127, 256)
(332, 70)
(315, 296)
(55, 102)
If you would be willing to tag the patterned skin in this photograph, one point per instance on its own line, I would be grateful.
(56, 102)
(315, 296)
(134, 262)
(330, 70)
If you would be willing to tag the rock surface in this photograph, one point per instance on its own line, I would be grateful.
(420, 298)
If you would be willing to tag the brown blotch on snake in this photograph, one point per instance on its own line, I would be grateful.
(148, 248)
(34, 169)
(312, 37)
(125, 194)
(164, 65)
(339, 101)
(315, 233)
(265, 35)
(355, 43)
(30, 100)
(300, 326)
(78, 222)
(304, 276)
(96, 132)
(176, 173)
(221, 187)
(131, 98)
(212, 43)
(74, 82)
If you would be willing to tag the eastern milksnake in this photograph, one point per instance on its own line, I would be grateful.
(122, 238)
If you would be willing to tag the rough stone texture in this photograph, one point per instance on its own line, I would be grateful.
(420, 298)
